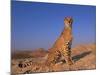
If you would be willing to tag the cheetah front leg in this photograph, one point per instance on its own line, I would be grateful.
(66, 52)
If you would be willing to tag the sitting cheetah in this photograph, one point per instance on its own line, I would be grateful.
(62, 46)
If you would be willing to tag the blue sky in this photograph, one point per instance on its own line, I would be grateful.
(37, 25)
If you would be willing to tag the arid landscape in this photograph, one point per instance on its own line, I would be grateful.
(84, 57)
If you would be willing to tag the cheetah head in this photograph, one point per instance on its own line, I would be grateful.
(68, 21)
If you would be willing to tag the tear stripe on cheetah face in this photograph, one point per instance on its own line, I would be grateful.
(68, 21)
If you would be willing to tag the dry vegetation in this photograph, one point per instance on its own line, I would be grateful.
(84, 57)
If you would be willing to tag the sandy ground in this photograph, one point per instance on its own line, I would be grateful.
(84, 57)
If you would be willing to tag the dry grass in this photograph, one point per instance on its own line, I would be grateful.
(29, 54)
(84, 57)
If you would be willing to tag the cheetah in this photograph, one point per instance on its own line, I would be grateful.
(62, 46)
